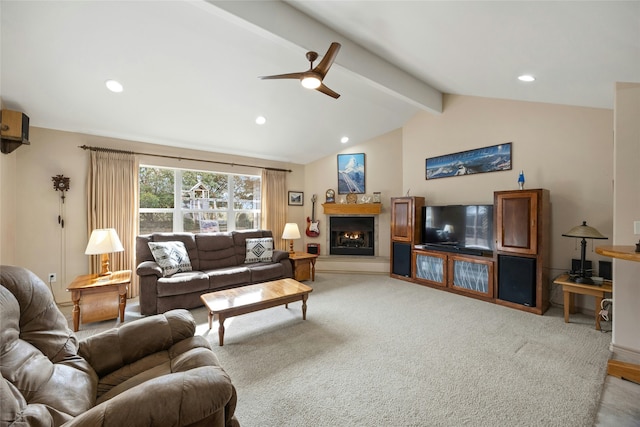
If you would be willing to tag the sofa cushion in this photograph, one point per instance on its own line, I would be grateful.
(228, 277)
(215, 251)
(259, 250)
(183, 283)
(172, 257)
(263, 272)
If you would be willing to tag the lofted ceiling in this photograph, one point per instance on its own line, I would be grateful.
(190, 68)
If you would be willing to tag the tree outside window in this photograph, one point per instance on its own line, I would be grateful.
(199, 203)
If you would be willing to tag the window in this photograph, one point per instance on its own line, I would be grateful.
(175, 200)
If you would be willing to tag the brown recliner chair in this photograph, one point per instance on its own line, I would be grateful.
(152, 371)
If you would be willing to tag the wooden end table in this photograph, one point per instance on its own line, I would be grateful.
(250, 298)
(102, 297)
(304, 265)
(569, 288)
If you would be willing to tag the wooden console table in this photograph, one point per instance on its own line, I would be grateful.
(616, 368)
(570, 288)
(102, 297)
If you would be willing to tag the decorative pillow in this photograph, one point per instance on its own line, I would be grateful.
(259, 250)
(172, 257)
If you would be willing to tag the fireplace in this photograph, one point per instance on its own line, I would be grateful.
(352, 235)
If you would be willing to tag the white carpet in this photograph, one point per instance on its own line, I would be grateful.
(376, 351)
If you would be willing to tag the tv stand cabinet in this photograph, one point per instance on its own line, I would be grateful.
(470, 275)
(521, 235)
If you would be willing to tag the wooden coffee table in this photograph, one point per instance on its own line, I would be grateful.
(250, 298)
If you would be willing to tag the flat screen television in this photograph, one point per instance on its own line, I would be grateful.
(459, 228)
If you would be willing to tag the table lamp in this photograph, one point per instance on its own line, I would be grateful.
(585, 232)
(102, 242)
(290, 233)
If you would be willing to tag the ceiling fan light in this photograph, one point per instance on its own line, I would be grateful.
(310, 82)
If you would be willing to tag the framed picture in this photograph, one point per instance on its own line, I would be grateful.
(480, 160)
(351, 173)
(296, 198)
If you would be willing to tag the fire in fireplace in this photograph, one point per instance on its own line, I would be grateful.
(351, 235)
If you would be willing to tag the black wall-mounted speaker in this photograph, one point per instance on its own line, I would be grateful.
(517, 280)
(402, 259)
(14, 130)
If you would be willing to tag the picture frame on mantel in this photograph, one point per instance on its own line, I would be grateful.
(351, 173)
(480, 160)
(296, 198)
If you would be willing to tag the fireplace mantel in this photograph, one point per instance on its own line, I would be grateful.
(352, 208)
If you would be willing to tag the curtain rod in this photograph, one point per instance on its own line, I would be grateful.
(112, 150)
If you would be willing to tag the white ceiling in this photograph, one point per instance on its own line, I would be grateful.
(190, 68)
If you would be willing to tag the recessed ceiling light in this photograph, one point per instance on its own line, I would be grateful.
(260, 120)
(114, 86)
(526, 78)
(344, 139)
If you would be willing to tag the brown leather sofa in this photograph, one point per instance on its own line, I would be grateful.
(149, 372)
(217, 261)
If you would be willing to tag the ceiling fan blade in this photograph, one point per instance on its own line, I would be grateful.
(328, 59)
(283, 76)
(322, 88)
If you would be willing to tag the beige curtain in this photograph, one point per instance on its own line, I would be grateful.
(113, 203)
(274, 204)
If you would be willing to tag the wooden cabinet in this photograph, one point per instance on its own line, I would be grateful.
(406, 219)
(430, 268)
(467, 274)
(522, 234)
(517, 216)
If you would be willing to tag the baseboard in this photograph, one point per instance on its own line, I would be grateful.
(625, 354)
(625, 364)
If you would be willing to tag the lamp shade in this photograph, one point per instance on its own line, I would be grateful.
(584, 231)
(291, 231)
(103, 241)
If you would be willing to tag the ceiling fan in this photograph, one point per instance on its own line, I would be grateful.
(312, 79)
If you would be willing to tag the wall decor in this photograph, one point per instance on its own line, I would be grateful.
(296, 198)
(351, 173)
(480, 160)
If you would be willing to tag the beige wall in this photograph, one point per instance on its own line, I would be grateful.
(383, 163)
(567, 150)
(626, 296)
(33, 206)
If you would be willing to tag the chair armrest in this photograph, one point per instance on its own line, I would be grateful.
(149, 268)
(177, 399)
(117, 347)
(279, 255)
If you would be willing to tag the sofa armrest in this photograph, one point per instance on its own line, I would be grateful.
(117, 347)
(279, 255)
(177, 399)
(149, 268)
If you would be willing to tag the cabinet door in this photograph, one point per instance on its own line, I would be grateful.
(402, 219)
(516, 221)
(430, 268)
(471, 275)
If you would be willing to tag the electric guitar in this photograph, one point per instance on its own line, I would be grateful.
(312, 225)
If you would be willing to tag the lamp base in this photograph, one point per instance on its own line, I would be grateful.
(584, 280)
(104, 261)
